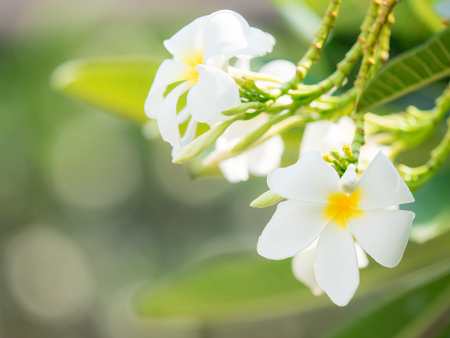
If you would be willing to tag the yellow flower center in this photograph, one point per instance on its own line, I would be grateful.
(342, 207)
(192, 61)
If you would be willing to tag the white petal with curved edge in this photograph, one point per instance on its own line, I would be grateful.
(215, 91)
(381, 185)
(363, 261)
(309, 180)
(235, 169)
(167, 116)
(223, 32)
(303, 269)
(153, 103)
(266, 157)
(293, 227)
(383, 234)
(259, 43)
(170, 71)
(281, 69)
(336, 264)
(184, 43)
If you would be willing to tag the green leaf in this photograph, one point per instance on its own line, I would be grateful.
(423, 10)
(408, 72)
(117, 85)
(233, 284)
(415, 313)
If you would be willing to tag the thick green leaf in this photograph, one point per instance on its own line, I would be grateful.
(236, 284)
(416, 313)
(408, 72)
(118, 85)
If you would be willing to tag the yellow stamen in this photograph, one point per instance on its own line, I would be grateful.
(342, 207)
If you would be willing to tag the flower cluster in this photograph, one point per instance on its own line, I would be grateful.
(201, 51)
(332, 217)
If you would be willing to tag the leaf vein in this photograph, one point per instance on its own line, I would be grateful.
(423, 64)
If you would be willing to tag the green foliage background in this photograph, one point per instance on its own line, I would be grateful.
(164, 255)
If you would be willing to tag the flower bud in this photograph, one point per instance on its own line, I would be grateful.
(265, 200)
(349, 181)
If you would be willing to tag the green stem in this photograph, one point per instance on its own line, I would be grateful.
(344, 67)
(369, 45)
(313, 53)
(382, 51)
(365, 70)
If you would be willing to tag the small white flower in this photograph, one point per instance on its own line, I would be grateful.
(201, 51)
(325, 135)
(316, 207)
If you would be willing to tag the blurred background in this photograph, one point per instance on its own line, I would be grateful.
(94, 218)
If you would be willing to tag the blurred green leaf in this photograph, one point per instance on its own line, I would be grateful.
(234, 284)
(409, 71)
(117, 85)
(423, 10)
(415, 313)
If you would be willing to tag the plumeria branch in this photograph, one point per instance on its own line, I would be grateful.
(346, 65)
(312, 55)
(364, 73)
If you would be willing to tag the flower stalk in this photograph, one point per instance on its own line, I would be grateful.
(313, 53)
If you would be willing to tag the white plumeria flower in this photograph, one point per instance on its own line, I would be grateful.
(264, 158)
(325, 135)
(201, 51)
(316, 207)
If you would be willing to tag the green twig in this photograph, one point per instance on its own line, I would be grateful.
(313, 53)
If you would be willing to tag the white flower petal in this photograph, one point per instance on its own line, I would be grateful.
(167, 116)
(215, 91)
(383, 234)
(223, 32)
(281, 69)
(303, 269)
(293, 227)
(259, 44)
(235, 169)
(169, 71)
(184, 44)
(336, 264)
(218, 118)
(188, 137)
(363, 261)
(242, 63)
(183, 115)
(153, 102)
(381, 185)
(325, 135)
(266, 157)
(309, 180)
